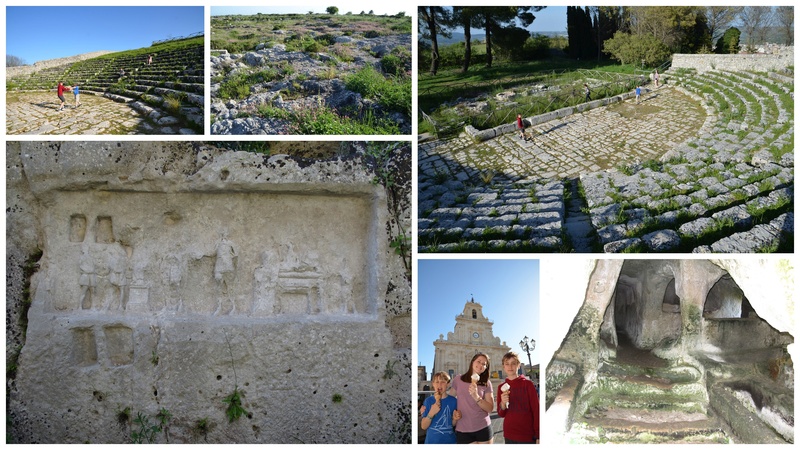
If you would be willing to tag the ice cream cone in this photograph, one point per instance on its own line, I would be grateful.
(505, 388)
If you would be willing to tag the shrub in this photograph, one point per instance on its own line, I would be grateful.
(537, 47)
(398, 62)
(312, 46)
(372, 34)
(325, 39)
(172, 102)
(394, 93)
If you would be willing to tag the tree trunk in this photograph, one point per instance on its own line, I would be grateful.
(488, 43)
(434, 43)
(468, 44)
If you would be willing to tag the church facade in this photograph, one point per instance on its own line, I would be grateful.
(472, 334)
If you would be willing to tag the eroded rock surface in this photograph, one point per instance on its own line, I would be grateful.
(173, 274)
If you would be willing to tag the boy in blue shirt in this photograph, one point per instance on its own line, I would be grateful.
(638, 93)
(76, 91)
(439, 413)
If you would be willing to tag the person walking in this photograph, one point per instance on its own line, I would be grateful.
(60, 89)
(149, 59)
(638, 93)
(587, 92)
(521, 127)
(655, 77)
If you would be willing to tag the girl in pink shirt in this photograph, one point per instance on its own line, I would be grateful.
(475, 403)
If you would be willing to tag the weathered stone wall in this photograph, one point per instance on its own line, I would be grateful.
(734, 63)
(12, 72)
(173, 273)
(768, 285)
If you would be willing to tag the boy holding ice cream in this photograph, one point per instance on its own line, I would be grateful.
(440, 413)
(518, 404)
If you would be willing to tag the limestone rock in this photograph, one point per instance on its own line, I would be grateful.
(174, 273)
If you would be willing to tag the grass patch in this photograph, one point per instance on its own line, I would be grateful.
(393, 93)
(238, 86)
(323, 120)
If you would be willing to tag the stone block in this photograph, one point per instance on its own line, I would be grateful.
(662, 240)
(168, 266)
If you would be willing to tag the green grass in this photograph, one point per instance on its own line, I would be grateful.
(237, 86)
(322, 120)
(393, 93)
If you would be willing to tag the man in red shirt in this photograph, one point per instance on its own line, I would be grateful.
(61, 89)
(518, 404)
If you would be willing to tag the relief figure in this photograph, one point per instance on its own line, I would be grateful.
(225, 273)
(88, 278)
(265, 280)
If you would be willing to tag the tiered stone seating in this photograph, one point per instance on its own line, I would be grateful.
(501, 217)
(729, 190)
(177, 72)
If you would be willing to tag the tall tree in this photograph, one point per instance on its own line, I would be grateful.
(587, 35)
(719, 18)
(667, 24)
(785, 18)
(729, 42)
(580, 32)
(467, 18)
(767, 22)
(608, 20)
(495, 17)
(572, 31)
(697, 37)
(753, 19)
(434, 17)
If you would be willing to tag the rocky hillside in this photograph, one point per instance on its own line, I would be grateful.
(311, 74)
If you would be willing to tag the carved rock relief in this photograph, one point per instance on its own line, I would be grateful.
(213, 258)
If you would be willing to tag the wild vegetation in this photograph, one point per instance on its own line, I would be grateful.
(626, 39)
(362, 53)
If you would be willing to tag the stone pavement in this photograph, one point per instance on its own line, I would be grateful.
(35, 112)
(598, 139)
(683, 171)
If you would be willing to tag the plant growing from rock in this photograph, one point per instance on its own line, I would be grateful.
(202, 427)
(147, 431)
(164, 417)
(124, 416)
(401, 241)
(234, 401)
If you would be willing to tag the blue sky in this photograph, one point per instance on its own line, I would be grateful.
(355, 7)
(552, 18)
(508, 289)
(39, 33)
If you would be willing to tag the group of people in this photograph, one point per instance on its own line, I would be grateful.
(461, 414)
(638, 89)
(75, 91)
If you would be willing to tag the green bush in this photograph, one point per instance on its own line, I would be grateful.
(325, 39)
(537, 47)
(398, 62)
